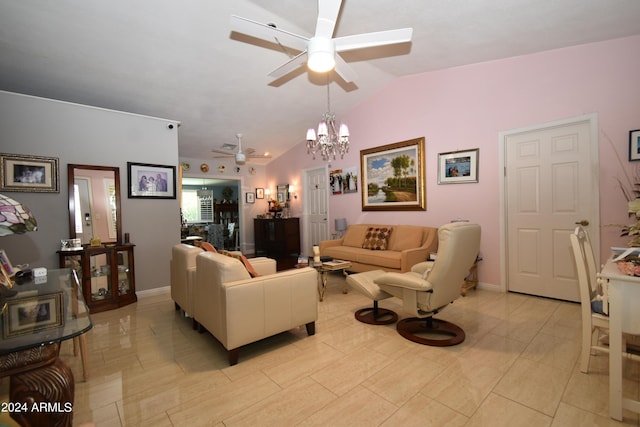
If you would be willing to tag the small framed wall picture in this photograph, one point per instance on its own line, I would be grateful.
(458, 167)
(634, 145)
(259, 193)
(249, 197)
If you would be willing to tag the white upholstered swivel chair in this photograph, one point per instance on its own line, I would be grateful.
(595, 326)
(431, 286)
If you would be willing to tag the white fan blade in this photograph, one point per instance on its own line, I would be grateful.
(344, 70)
(267, 32)
(327, 16)
(225, 152)
(289, 66)
(380, 38)
(259, 156)
(249, 151)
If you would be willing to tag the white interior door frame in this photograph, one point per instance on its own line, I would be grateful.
(592, 118)
(244, 246)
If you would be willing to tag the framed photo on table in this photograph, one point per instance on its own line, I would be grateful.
(33, 174)
(32, 314)
(147, 181)
(458, 167)
(393, 177)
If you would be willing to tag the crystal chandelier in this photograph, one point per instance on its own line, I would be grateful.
(330, 142)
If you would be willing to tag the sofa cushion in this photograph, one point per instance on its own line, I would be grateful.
(384, 259)
(354, 236)
(377, 238)
(406, 237)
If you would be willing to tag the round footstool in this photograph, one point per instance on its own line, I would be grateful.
(363, 283)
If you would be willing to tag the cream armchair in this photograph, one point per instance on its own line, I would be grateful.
(237, 309)
(183, 269)
(183, 275)
(431, 286)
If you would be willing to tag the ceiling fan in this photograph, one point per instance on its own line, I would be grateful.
(320, 52)
(240, 156)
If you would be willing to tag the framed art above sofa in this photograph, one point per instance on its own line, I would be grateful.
(393, 177)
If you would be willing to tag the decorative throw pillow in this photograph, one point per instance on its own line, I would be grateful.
(208, 247)
(377, 238)
(244, 260)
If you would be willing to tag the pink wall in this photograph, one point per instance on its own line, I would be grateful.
(466, 107)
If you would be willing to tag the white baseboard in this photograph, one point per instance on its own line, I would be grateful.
(155, 291)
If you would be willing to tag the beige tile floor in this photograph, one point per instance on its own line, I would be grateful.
(517, 367)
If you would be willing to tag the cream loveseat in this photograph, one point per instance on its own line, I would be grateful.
(406, 246)
(183, 274)
(237, 309)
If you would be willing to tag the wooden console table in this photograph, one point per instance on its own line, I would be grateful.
(45, 312)
(107, 274)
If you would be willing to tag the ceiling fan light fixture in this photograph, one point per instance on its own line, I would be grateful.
(241, 158)
(322, 54)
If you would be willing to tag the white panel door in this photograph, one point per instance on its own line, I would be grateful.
(315, 208)
(549, 188)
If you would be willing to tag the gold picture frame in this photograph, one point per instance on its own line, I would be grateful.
(32, 314)
(32, 174)
(393, 177)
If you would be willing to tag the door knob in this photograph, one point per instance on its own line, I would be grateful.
(583, 223)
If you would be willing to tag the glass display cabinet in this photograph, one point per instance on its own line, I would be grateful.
(106, 273)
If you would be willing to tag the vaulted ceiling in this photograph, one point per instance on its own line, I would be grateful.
(178, 59)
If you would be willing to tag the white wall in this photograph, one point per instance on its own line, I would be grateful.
(88, 135)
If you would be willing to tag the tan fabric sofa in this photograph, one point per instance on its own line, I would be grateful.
(183, 274)
(407, 246)
(237, 309)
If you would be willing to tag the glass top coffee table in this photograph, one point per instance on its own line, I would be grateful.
(324, 268)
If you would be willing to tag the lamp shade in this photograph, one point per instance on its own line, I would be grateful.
(15, 218)
(341, 224)
(311, 135)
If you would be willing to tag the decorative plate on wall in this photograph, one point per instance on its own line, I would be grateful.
(222, 168)
(186, 166)
(204, 167)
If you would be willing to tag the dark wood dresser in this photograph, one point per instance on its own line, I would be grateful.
(278, 238)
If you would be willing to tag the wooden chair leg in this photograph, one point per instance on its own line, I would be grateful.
(81, 342)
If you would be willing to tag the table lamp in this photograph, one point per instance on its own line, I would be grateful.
(341, 226)
(15, 218)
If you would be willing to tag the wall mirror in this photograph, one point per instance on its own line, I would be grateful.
(282, 192)
(94, 203)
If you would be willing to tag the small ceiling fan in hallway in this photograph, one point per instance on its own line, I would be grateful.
(321, 52)
(240, 155)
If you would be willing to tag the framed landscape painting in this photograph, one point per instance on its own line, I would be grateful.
(393, 177)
